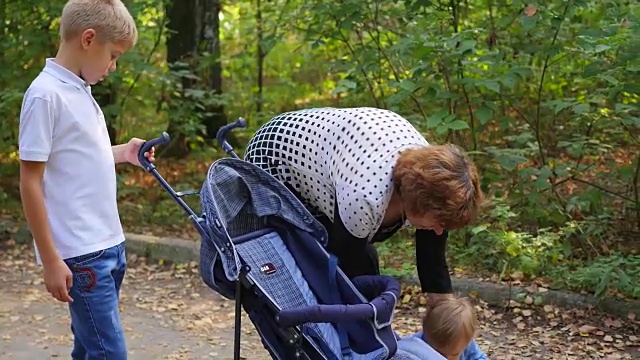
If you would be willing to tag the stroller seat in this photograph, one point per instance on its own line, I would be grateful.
(284, 283)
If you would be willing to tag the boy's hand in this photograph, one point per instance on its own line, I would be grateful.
(131, 152)
(58, 280)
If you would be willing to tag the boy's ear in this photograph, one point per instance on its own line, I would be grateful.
(87, 37)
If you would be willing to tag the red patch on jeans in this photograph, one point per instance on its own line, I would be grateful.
(87, 278)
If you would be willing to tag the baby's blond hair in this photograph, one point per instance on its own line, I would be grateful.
(109, 18)
(448, 320)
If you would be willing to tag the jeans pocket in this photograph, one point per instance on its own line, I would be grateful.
(85, 259)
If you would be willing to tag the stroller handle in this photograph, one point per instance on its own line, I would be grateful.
(146, 147)
(221, 136)
(151, 168)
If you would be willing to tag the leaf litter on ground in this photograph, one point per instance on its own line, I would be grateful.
(174, 295)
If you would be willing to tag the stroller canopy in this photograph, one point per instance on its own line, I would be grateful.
(236, 198)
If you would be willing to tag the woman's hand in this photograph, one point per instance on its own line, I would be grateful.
(434, 298)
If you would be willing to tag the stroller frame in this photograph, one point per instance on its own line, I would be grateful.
(286, 323)
(290, 333)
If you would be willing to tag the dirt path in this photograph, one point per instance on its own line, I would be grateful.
(169, 314)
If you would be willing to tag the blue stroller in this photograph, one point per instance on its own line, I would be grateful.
(262, 248)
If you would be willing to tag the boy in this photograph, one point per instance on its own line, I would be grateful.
(67, 175)
(448, 330)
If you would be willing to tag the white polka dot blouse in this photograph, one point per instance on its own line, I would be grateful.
(346, 154)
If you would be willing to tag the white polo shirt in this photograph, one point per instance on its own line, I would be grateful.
(61, 124)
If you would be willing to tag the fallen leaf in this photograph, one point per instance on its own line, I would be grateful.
(528, 300)
(608, 338)
(517, 275)
(612, 323)
(587, 329)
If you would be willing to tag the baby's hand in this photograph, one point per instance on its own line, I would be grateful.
(58, 280)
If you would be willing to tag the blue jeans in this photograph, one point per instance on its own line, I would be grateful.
(95, 318)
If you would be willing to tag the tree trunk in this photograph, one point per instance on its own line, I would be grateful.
(3, 26)
(261, 56)
(194, 41)
(106, 95)
(214, 117)
(182, 42)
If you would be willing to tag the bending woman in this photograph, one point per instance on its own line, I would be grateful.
(365, 173)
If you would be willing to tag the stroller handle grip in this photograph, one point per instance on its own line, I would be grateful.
(221, 136)
(146, 147)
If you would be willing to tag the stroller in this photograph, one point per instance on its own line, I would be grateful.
(262, 248)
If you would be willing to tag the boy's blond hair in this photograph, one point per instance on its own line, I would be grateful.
(448, 320)
(109, 18)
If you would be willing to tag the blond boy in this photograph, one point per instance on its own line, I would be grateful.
(67, 175)
(447, 333)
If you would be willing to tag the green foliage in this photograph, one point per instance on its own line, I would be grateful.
(550, 253)
(614, 273)
(498, 248)
(397, 255)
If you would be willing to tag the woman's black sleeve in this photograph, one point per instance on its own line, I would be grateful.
(431, 262)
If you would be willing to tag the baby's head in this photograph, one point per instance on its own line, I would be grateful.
(96, 32)
(449, 326)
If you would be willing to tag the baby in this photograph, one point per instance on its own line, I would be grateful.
(448, 331)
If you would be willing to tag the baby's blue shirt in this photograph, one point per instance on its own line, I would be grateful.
(415, 345)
